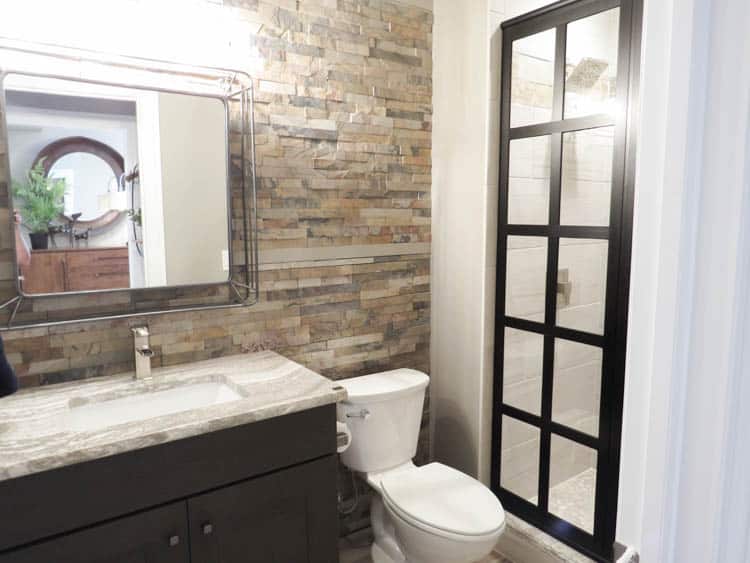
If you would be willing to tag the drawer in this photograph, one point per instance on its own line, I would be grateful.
(97, 269)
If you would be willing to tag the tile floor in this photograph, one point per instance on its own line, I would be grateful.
(573, 499)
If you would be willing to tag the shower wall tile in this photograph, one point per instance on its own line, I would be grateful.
(586, 264)
(587, 177)
(520, 458)
(526, 277)
(588, 171)
(577, 385)
(515, 8)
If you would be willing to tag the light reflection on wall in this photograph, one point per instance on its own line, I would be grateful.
(197, 32)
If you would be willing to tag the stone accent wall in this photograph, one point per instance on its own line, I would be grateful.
(343, 112)
(344, 115)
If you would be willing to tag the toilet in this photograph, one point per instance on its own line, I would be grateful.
(428, 514)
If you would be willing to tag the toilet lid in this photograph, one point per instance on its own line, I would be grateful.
(443, 498)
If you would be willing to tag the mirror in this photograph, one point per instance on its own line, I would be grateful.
(90, 170)
(116, 188)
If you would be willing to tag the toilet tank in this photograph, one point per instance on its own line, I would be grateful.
(384, 414)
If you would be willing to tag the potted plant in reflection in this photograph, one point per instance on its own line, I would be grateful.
(41, 203)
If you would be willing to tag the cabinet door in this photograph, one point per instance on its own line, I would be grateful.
(90, 269)
(45, 273)
(156, 536)
(286, 517)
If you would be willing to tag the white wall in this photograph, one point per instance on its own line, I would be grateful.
(458, 236)
(466, 94)
(193, 179)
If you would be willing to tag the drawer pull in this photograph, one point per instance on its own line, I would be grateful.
(174, 541)
(208, 529)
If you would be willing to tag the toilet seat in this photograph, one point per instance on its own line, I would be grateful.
(443, 501)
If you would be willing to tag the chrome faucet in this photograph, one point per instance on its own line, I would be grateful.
(143, 352)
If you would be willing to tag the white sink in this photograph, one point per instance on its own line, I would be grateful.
(142, 406)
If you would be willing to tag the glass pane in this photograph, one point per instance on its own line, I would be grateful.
(591, 64)
(522, 370)
(582, 284)
(525, 277)
(519, 466)
(572, 486)
(577, 385)
(587, 177)
(528, 181)
(532, 79)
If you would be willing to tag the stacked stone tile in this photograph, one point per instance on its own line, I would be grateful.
(343, 114)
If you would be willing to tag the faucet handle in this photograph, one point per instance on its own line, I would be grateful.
(140, 330)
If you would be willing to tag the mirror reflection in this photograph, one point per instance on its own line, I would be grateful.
(116, 188)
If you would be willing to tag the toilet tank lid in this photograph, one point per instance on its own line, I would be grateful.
(384, 385)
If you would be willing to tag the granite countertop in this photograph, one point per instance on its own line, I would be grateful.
(38, 431)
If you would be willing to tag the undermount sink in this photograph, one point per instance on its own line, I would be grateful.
(151, 404)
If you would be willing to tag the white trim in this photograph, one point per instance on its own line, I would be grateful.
(733, 541)
(657, 268)
(702, 523)
(152, 205)
(684, 375)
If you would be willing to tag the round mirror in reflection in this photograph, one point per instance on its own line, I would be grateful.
(88, 181)
(91, 171)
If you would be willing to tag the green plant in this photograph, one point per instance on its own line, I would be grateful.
(42, 198)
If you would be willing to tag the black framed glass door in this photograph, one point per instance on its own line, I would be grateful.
(569, 74)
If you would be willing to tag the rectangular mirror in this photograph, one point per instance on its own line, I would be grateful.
(127, 186)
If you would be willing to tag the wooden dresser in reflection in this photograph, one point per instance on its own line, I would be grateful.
(76, 269)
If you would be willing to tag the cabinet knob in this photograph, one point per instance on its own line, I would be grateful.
(208, 529)
(174, 541)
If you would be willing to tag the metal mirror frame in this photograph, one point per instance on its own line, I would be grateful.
(235, 90)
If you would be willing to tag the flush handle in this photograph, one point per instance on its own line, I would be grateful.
(207, 529)
(174, 541)
(364, 414)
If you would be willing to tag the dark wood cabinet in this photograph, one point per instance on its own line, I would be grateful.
(285, 517)
(260, 493)
(154, 536)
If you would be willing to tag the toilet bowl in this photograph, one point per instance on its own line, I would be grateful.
(428, 514)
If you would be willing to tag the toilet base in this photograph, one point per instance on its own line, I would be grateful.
(385, 548)
(378, 555)
(388, 549)
(398, 540)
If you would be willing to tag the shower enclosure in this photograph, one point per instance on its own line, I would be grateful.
(569, 74)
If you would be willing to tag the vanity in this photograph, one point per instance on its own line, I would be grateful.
(76, 269)
(230, 460)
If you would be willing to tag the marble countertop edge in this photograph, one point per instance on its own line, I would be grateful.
(290, 388)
